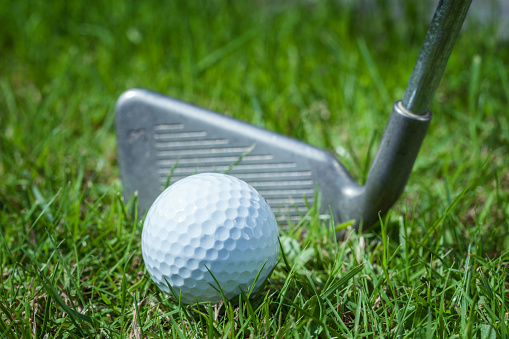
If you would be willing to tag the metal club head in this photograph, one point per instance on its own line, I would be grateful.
(158, 136)
(159, 133)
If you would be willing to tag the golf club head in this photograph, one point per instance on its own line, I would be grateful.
(158, 135)
(161, 140)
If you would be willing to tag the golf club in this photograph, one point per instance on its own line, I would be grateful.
(158, 136)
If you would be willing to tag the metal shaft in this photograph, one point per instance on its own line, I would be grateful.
(434, 54)
(410, 118)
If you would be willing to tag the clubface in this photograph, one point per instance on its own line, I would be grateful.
(158, 135)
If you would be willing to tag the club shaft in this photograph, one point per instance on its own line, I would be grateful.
(434, 54)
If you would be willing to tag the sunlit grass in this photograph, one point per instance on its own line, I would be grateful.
(324, 72)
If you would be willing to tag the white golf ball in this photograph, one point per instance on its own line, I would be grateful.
(209, 222)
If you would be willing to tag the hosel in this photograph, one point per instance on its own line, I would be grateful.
(393, 162)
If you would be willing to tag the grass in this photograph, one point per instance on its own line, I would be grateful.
(324, 72)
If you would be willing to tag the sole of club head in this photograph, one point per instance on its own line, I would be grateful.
(158, 136)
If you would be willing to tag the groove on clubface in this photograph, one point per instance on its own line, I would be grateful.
(285, 190)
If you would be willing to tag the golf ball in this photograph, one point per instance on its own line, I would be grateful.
(209, 226)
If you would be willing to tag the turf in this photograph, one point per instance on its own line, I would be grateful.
(325, 72)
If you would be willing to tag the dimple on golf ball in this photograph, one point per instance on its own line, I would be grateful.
(209, 224)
